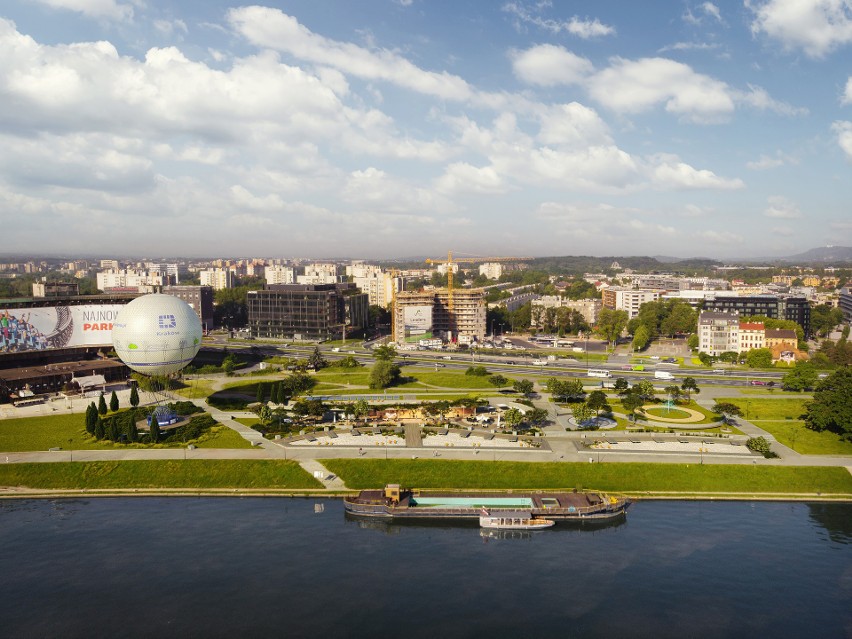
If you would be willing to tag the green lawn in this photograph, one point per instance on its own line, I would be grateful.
(630, 478)
(765, 408)
(662, 411)
(195, 388)
(359, 377)
(794, 434)
(222, 437)
(450, 379)
(42, 433)
(192, 473)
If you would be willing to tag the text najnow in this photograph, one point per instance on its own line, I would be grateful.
(101, 326)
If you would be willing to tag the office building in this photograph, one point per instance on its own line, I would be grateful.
(628, 299)
(792, 308)
(307, 311)
(200, 298)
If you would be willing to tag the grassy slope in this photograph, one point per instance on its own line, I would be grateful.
(42, 433)
(614, 477)
(794, 434)
(193, 473)
(763, 408)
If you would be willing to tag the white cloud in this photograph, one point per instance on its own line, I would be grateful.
(817, 27)
(462, 177)
(273, 29)
(783, 231)
(573, 125)
(721, 237)
(712, 10)
(771, 161)
(94, 8)
(847, 94)
(758, 98)
(576, 26)
(781, 208)
(549, 65)
(689, 46)
(668, 172)
(169, 27)
(844, 136)
(693, 210)
(376, 190)
(634, 86)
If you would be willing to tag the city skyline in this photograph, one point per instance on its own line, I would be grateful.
(403, 128)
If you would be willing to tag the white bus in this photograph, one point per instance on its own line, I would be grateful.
(598, 372)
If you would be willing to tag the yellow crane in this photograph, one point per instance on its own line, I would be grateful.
(468, 260)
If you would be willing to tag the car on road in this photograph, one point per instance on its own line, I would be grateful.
(627, 367)
(757, 382)
(670, 360)
(447, 357)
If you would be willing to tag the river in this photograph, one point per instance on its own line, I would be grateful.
(257, 567)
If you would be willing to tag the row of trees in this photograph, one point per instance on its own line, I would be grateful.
(661, 318)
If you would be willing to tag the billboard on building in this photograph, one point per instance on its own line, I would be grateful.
(32, 329)
(417, 321)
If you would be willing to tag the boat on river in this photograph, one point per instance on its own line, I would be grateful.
(394, 502)
(513, 521)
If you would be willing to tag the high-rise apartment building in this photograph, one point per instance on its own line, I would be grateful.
(428, 312)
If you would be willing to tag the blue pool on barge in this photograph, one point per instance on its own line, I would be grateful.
(472, 502)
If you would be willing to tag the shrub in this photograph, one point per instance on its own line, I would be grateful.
(760, 445)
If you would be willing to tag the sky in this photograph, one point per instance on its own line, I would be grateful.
(395, 128)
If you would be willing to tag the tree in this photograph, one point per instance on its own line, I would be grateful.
(632, 402)
(824, 318)
(383, 374)
(831, 409)
(154, 429)
(610, 324)
(261, 393)
(113, 402)
(477, 371)
(523, 386)
(641, 337)
(99, 428)
(265, 414)
(681, 319)
(536, 416)
(582, 413)
(645, 388)
(759, 358)
(673, 392)
(273, 393)
(102, 406)
(597, 401)
(689, 385)
(621, 385)
(134, 396)
(726, 410)
(513, 417)
(498, 380)
(760, 445)
(693, 341)
(316, 360)
(132, 430)
(803, 377)
(361, 409)
(348, 362)
(91, 418)
(384, 352)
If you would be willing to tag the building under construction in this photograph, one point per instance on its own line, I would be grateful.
(455, 317)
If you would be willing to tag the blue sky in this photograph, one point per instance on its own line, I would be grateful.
(392, 128)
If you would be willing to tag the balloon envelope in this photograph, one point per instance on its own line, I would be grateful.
(156, 334)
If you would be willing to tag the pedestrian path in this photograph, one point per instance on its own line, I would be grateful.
(322, 474)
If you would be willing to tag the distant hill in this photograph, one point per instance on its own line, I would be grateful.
(822, 254)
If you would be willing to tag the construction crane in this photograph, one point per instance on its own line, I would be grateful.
(468, 260)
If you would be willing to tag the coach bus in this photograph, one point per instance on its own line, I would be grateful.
(598, 372)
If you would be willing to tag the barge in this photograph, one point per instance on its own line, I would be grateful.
(394, 502)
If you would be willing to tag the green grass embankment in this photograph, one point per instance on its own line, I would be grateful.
(624, 478)
(190, 474)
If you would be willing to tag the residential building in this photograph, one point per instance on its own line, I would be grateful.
(111, 265)
(131, 281)
(429, 312)
(280, 275)
(307, 311)
(200, 298)
(718, 333)
(751, 335)
(516, 301)
(491, 270)
(792, 308)
(628, 299)
(217, 278)
(320, 274)
(781, 337)
(844, 302)
(588, 308)
(55, 289)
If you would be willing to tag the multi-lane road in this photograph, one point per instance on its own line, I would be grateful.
(518, 363)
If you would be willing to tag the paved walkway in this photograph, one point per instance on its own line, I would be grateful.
(321, 473)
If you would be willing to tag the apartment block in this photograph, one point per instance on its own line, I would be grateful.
(751, 335)
(280, 275)
(628, 299)
(217, 278)
(588, 308)
(429, 312)
(718, 333)
(793, 308)
(200, 298)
